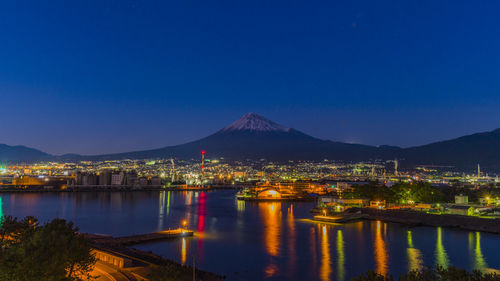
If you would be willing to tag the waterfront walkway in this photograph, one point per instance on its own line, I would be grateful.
(105, 272)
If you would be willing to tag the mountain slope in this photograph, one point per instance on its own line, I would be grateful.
(21, 153)
(254, 137)
(464, 152)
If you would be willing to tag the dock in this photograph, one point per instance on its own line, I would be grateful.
(286, 199)
(141, 238)
(340, 218)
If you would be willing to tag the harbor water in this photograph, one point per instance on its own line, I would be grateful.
(260, 241)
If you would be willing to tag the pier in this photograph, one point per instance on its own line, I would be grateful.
(140, 238)
(285, 199)
(340, 218)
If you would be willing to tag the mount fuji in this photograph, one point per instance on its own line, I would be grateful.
(256, 123)
(255, 137)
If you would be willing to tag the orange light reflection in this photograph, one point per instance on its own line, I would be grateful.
(271, 217)
(292, 233)
(326, 262)
(271, 213)
(183, 251)
(381, 256)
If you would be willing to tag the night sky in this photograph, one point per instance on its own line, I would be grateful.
(111, 76)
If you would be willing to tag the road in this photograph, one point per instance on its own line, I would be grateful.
(104, 272)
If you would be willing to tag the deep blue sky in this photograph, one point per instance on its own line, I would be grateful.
(110, 76)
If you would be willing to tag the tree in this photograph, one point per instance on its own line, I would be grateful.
(12, 230)
(54, 251)
(438, 274)
(372, 276)
(372, 191)
(402, 193)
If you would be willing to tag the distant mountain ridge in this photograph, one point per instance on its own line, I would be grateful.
(255, 137)
(464, 152)
(21, 153)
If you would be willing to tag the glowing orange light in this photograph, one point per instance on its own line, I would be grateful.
(183, 251)
(381, 255)
(326, 262)
(271, 218)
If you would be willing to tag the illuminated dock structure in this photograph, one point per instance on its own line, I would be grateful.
(341, 218)
(141, 238)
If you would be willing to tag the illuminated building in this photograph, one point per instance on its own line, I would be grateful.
(239, 175)
(269, 194)
(25, 181)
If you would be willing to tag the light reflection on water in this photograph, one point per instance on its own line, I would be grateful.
(292, 238)
(381, 256)
(272, 223)
(313, 249)
(340, 256)
(480, 262)
(415, 261)
(441, 255)
(271, 213)
(161, 211)
(261, 241)
(1, 211)
(183, 251)
(326, 262)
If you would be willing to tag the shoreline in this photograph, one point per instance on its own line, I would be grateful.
(111, 189)
(415, 218)
(277, 200)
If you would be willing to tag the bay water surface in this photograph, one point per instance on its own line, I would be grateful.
(260, 241)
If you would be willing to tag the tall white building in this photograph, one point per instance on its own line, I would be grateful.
(117, 179)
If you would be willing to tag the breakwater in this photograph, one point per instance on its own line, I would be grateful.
(141, 238)
(416, 218)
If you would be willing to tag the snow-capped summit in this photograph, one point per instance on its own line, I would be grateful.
(255, 122)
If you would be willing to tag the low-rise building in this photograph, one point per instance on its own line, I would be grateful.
(463, 210)
(461, 199)
(117, 179)
(380, 204)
